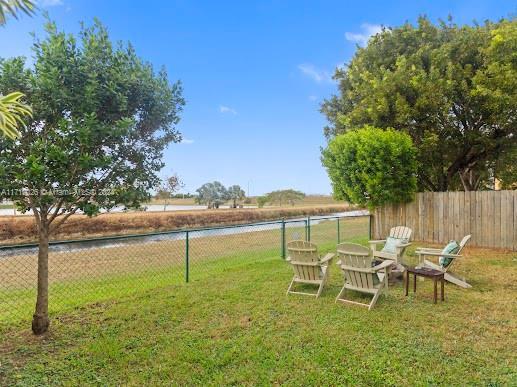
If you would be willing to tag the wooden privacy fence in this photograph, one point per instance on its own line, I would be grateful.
(490, 216)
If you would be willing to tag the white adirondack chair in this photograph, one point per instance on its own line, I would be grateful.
(422, 252)
(399, 232)
(308, 266)
(356, 264)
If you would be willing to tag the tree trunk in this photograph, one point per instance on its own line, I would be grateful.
(40, 320)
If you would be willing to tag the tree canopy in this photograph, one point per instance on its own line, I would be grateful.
(212, 194)
(371, 166)
(451, 88)
(168, 187)
(285, 196)
(102, 118)
(236, 193)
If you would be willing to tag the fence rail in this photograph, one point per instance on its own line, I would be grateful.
(489, 216)
(94, 270)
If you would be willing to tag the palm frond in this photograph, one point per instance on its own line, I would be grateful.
(13, 7)
(12, 114)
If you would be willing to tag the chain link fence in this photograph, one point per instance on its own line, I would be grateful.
(95, 270)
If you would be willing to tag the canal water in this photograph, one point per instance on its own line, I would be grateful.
(107, 242)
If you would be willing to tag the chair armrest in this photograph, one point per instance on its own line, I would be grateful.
(383, 265)
(327, 258)
(358, 269)
(305, 263)
(437, 254)
(377, 242)
(428, 249)
(404, 244)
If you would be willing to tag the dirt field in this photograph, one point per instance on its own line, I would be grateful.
(23, 229)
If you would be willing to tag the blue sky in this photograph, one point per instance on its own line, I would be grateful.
(254, 73)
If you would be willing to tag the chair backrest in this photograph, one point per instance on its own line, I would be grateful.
(304, 252)
(401, 232)
(447, 262)
(463, 242)
(354, 256)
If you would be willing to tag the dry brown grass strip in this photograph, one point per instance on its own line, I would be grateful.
(18, 229)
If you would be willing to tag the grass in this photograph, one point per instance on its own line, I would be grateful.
(84, 276)
(233, 324)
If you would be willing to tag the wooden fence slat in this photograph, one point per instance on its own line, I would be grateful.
(466, 214)
(478, 240)
(504, 219)
(514, 232)
(452, 219)
(421, 217)
(496, 219)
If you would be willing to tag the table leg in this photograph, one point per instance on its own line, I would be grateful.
(414, 283)
(407, 282)
(435, 289)
(442, 288)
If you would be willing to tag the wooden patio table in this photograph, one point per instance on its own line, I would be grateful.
(435, 275)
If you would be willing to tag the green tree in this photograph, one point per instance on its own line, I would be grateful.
(236, 194)
(101, 120)
(436, 83)
(12, 109)
(169, 186)
(286, 196)
(371, 166)
(261, 201)
(212, 194)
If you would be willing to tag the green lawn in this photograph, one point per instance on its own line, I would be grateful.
(81, 277)
(233, 324)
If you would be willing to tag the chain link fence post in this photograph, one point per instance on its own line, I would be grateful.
(308, 229)
(338, 233)
(187, 263)
(283, 238)
(370, 227)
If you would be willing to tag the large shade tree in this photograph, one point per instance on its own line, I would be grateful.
(236, 194)
(285, 196)
(212, 194)
(451, 88)
(102, 118)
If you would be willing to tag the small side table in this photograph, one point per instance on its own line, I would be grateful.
(435, 275)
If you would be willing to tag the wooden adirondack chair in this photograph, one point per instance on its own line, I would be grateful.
(356, 264)
(307, 265)
(430, 252)
(399, 232)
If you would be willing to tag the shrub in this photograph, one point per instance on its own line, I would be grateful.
(371, 166)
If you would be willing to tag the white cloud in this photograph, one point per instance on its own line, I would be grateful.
(362, 38)
(312, 98)
(227, 109)
(186, 141)
(50, 3)
(313, 72)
